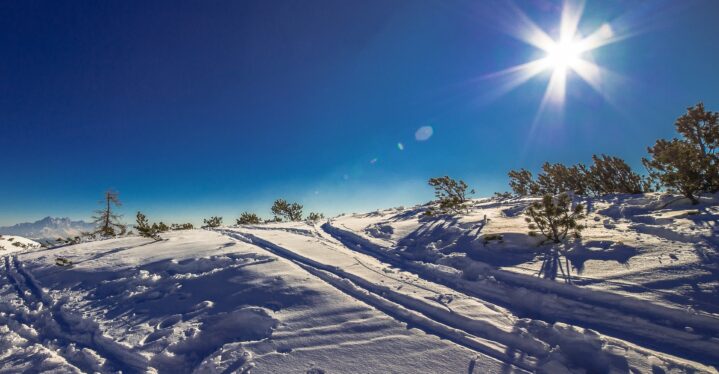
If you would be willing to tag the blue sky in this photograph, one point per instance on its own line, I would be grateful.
(191, 109)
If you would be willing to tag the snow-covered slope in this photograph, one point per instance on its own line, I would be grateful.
(48, 228)
(13, 243)
(384, 292)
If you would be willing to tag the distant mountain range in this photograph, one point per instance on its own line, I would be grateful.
(48, 228)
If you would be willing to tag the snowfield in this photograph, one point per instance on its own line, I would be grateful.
(390, 291)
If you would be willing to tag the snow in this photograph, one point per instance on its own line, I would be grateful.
(387, 291)
(14, 243)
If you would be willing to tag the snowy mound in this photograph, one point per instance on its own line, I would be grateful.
(388, 291)
(12, 243)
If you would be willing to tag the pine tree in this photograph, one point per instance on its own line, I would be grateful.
(282, 210)
(247, 218)
(611, 174)
(315, 217)
(213, 221)
(451, 194)
(108, 223)
(691, 164)
(559, 178)
(522, 183)
(555, 219)
(143, 226)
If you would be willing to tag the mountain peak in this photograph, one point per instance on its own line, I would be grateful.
(48, 228)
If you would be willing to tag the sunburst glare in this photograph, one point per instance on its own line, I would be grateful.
(569, 52)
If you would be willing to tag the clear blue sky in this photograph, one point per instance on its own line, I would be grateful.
(193, 108)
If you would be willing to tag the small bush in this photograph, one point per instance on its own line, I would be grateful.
(451, 194)
(212, 222)
(181, 226)
(555, 218)
(283, 210)
(143, 226)
(315, 217)
(247, 218)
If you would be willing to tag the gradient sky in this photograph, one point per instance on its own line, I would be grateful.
(198, 108)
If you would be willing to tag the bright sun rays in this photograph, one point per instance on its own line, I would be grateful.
(570, 52)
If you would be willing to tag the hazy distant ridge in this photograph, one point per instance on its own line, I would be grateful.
(48, 228)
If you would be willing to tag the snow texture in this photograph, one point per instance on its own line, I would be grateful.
(391, 291)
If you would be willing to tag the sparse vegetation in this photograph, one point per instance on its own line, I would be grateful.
(555, 218)
(211, 222)
(451, 195)
(689, 165)
(606, 175)
(247, 218)
(143, 227)
(108, 223)
(284, 211)
(315, 217)
(522, 183)
(181, 226)
(610, 174)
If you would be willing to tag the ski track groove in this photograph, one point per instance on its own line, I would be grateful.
(116, 355)
(652, 317)
(364, 292)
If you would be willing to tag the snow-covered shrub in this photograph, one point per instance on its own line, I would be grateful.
(691, 164)
(283, 210)
(555, 218)
(247, 218)
(213, 221)
(451, 195)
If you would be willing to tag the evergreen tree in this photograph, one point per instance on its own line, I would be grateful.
(315, 217)
(611, 174)
(555, 219)
(451, 194)
(559, 178)
(247, 218)
(691, 164)
(108, 223)
(143, 226)
(212, 222)
(282, 210)
(522, 183)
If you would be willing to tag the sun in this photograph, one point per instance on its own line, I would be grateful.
(569, 52)
(562, 55)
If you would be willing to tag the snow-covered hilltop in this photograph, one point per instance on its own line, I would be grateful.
(48, 228)
(13, 243)
(387, 291)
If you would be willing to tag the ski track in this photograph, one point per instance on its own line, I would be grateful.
(433, 320)
(54, 324)
(653, 326)
(645, 331)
